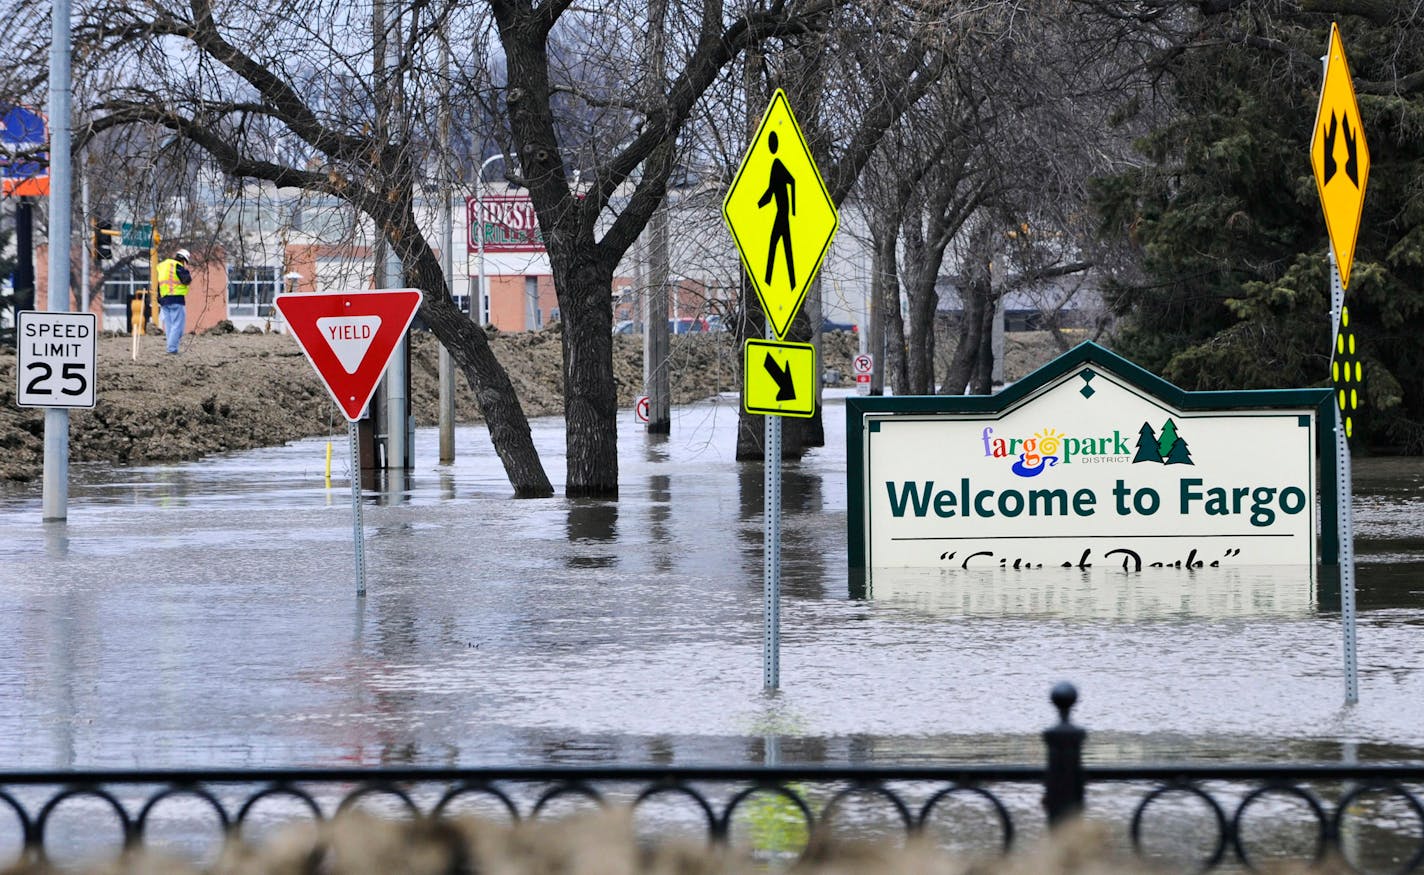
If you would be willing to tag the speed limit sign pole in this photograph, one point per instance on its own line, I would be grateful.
(56, 366)
(56, 419)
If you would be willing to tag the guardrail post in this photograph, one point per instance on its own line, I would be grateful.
(1063, 785)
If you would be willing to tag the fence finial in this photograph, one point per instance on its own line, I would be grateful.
(1063, 785)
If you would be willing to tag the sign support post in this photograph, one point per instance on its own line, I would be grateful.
(351, 338)
(771, 548)
(774, 233)
(1346, 518)
(1340, 159)
(56, 419)
(358, 526)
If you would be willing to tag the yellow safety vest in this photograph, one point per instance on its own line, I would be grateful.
(168, 283)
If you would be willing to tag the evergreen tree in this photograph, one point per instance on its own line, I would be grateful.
(1147, 446)
(1168, 438)
(1226, 219)
(1178, 455)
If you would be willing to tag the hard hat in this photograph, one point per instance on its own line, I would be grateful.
(182, 254)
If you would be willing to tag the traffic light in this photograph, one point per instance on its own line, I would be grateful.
(102, 233)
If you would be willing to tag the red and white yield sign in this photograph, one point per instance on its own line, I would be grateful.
(350, 337)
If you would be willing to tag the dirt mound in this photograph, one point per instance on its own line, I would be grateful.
(234, 390)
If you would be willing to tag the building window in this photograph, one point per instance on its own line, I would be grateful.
(120, 289)
(251, 290)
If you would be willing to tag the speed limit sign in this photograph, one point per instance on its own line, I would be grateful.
(57, 353)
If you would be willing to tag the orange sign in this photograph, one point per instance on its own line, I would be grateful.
(1339, 156)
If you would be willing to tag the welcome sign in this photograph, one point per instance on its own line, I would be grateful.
(1090, 462)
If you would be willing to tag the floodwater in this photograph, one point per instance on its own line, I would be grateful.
(205, 615)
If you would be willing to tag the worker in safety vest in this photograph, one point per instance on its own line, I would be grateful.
(173, 279)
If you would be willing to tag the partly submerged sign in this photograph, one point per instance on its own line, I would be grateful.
(1090, 461)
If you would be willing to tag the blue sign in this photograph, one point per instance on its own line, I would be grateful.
(23, 137)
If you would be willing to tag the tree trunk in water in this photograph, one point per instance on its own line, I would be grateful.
(921, 353)
(966, 353)
(891, 317)
(470, 350)
(752, 324)
(590, 393)
(984, 367)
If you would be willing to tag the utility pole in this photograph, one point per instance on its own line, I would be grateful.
(445, 186)
(657, 382)
(56, 419)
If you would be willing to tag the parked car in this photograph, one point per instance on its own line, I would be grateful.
(688, 326)
(627, 326)
(832, 325)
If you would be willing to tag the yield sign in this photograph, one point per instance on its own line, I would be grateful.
(780, 214)
(1339, 156)
(349, 337)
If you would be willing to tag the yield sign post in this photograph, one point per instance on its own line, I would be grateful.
(350, 338)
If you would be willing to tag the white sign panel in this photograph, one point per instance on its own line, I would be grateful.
(57, 355)
(1090, 471)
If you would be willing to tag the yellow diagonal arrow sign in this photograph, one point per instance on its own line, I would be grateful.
(780, 378)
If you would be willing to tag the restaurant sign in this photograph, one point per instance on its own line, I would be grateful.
(508, 223)
(1091, 462)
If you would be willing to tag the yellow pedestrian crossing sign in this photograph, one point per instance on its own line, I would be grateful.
(1339, 156)
(780, 378)
(780, 214)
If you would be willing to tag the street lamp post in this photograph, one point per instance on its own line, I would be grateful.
(477, 300)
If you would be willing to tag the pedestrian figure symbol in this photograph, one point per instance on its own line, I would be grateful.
(781, 187)
(781, 217)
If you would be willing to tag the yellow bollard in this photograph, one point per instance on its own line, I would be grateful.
(135, 322)
(328, 464)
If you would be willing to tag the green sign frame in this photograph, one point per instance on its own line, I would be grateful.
(1085, 356)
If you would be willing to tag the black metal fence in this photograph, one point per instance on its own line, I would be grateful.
(911, 797)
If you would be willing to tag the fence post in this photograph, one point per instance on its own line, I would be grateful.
(1063, 785)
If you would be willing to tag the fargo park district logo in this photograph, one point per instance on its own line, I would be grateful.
(1048, 447)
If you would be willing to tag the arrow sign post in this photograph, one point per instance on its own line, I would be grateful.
(1340, 158)
(782, 220)
(350, 338)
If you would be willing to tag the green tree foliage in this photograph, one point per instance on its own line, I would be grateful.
(1227, 222)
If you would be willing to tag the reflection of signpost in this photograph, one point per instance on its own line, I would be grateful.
(350, 338)
(782, 220)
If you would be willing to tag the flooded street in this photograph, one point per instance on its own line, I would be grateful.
(205, 614)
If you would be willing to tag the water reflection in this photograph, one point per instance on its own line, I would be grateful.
(1069, 593)
(592, 522)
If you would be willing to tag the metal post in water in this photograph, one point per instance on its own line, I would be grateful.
(357, 526)
(55, 500)
(447, 239)
(1344, 488)
(771, 511)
